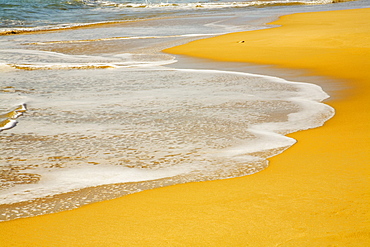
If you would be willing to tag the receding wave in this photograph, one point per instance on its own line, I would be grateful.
(119, 38)
(56, 27)
(20, 59)
(137, 129)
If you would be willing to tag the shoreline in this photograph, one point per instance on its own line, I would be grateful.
(334, 87)
(313, 193)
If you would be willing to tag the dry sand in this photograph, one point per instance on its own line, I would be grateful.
(314, 194)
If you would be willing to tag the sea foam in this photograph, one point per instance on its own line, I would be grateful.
(156, 126)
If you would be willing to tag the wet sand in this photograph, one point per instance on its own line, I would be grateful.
(314, 194)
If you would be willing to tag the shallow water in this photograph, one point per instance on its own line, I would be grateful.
(93, 114)
(46, 13)
(89, 128)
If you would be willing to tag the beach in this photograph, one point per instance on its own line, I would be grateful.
(316, 193)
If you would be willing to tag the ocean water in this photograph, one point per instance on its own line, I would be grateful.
(91, 109)
(31, 13)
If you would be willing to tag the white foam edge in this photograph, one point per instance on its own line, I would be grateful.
(56, 181)
(306, 91)
(272, 135)
(114, 61)
(60, 26)
(62, 55)
(126, 38)
(56, 66)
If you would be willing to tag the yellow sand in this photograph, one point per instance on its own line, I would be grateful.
(314, 194)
